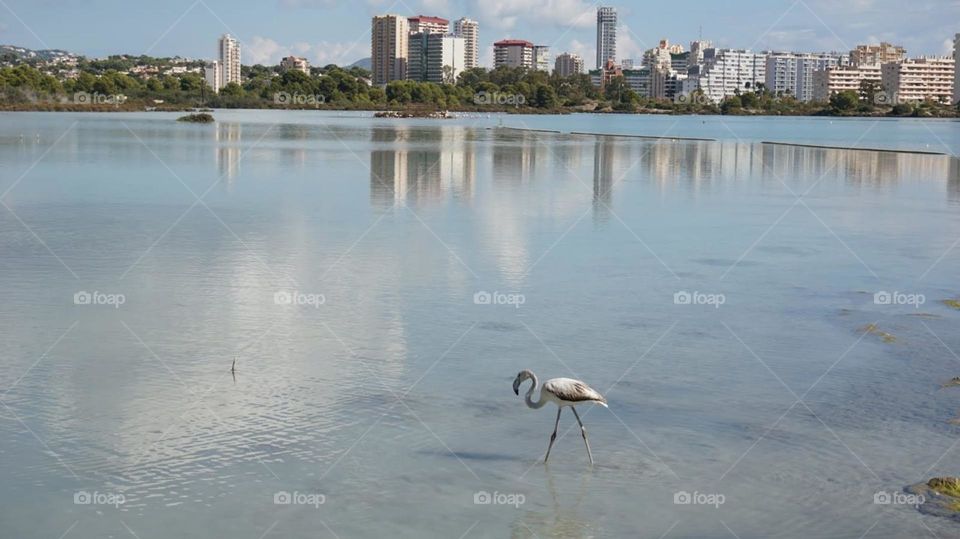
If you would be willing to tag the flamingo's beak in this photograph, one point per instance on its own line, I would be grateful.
(516, 386)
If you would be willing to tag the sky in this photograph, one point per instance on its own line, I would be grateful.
(338, 31)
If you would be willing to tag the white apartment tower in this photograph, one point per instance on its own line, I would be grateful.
(226, 68)
(389, 37)
(541, 57)
(469, 30)
(213, 74)
(792, 73)
(606, 35)
(727, 72)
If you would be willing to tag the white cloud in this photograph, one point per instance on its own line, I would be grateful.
(266, 51)
(629, 45)
(947, 47)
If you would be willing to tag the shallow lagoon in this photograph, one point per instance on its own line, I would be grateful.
(385, 393)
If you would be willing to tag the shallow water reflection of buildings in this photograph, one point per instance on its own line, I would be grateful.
(711, 165)
(604, 155)
(421, 167)
(228, 137)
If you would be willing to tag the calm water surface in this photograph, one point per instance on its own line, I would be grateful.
(384, 389)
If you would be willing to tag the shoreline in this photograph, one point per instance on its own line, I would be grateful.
(426, 112)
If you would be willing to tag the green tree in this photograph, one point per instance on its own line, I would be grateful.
(844, 101)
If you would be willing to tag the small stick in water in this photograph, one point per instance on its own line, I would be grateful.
(233, 367)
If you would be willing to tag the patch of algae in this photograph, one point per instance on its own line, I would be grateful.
(954, 303)
(873, 329)
(947, 486)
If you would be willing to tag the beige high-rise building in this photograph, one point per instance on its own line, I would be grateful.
(883, 53)
(513, 53)
(389, 41)
(919, 79)
(469, 30)
(568, 64)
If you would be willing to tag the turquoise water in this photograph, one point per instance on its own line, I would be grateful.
(381, 401)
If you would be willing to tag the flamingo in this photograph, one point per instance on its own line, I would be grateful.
(562, 392)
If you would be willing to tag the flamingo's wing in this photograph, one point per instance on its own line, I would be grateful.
(573, 391)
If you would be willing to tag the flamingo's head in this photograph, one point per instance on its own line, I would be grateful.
(521, 377)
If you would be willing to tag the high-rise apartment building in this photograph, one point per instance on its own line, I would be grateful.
(469, 30)
(843, 78)
(213, 74)
(919, 79)
(431, 25)
(789, 73)
(727, 72)
(389, 38)
(568, 64)
(226, 68)
(541, 57)
(435, 57)
(883, 53)
(513, 53)
(606, 35)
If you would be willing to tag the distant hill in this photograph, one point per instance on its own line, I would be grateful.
(23, 53)
(365, 63)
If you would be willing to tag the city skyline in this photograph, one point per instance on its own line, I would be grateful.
(330, 31)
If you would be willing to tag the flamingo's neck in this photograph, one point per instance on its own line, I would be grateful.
(529, 397)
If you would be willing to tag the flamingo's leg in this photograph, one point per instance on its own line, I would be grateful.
(583, 431)
(553, 436)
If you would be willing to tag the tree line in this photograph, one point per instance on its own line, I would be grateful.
(333, 87)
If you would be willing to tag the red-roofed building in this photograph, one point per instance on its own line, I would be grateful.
(513, 53)
(428, 25)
